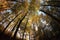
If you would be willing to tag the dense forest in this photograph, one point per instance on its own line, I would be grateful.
(29, 20)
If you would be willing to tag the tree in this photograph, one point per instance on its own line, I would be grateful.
(31, 20)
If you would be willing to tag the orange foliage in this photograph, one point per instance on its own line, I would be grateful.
(3, 5)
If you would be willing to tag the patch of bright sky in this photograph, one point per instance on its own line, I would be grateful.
(40, 12)
(9, 11)
(29, 0)
(48, 7)
(43, 21)
(41, 1)
(14, 2)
